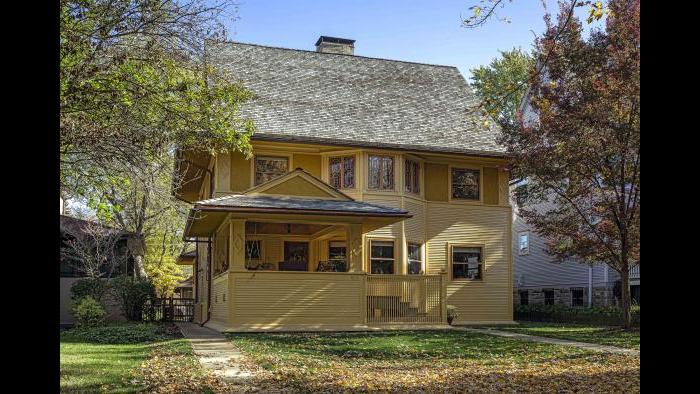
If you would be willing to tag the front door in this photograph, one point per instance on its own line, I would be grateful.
(296, 256)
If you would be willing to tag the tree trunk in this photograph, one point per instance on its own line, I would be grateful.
(139, 270)
(626, 296)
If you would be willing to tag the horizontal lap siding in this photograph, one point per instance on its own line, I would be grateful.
(278, 299)
(415, 226)
(487, 300)
(392, 230)
(219, 307)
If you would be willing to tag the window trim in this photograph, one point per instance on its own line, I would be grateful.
(366, 172)
(259, 154)
(369, 254)
(450, 248)
(481, 184)
(527, 251)
(342, 167)
(422, 256)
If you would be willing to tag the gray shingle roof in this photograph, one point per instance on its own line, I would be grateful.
(357, 101)
(282, 203)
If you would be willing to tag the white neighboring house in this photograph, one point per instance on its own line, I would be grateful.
(537, 279)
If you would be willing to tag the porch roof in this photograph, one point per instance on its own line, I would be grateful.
(284, 204)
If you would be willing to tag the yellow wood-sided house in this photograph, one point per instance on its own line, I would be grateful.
(376, 197)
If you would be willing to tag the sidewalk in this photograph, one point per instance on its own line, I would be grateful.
(553, 341)
(215, 352)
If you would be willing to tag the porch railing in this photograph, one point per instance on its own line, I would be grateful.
(404, 299)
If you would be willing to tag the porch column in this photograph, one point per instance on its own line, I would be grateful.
(237, 245)
(353, 236)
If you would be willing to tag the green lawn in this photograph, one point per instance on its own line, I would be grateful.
(443, 361)
(108, 358)
(613, 336)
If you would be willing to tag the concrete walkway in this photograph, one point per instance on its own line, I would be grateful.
(553, 341)
(215, 352)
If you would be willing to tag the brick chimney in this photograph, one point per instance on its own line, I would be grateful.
(342, 46)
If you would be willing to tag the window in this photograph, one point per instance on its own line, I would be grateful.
(268, 168)
(381, 257)
(465, 184)
(381, 172)
(412, 177)
(337, 255)
(467, 263)
(524, 297)
(524, 242)
(415, 259)
(342, 172)
(577, 297)
(253, 250)
(549, 297)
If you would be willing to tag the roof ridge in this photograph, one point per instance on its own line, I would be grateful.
(338, 54)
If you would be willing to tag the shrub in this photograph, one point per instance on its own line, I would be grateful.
(88, 287)
(132, 294)
(559, 313)
(122, 333)
(451, 313)
(88, 312)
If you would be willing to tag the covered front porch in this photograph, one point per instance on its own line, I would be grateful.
(300, 263)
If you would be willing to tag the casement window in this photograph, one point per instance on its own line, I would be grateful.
(524, 297)
(415, 259)
(268, 168)
(381, 257)
(380, 171)
(548, 297)
(465, 184)
(253, 250)
(412, 177)
(467, 263)
(341, 172)
(521, 194)
(524, 243)
(577, 297)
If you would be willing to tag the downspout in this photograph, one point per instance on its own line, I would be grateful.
(208, 283)
(590, 286)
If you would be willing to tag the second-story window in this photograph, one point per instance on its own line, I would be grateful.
(465, 184)
(268, 168)
(523, 243)
(380, 172)
(341, 172)
(412, 177)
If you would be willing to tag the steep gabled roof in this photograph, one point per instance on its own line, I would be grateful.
(351, 100)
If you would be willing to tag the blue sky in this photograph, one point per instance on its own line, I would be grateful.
(413, 30)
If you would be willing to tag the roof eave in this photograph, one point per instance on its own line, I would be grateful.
(364, 144)
(220, 208)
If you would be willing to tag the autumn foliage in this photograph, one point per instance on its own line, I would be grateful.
(578, 141)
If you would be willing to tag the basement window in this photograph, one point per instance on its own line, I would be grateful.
(577, 297)
(549, 297)
(268, 168)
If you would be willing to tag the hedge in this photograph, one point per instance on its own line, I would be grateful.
(610, 316)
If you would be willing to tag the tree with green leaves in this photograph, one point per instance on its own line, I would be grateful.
(508, 73)
(581, 154)
(133, 82)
